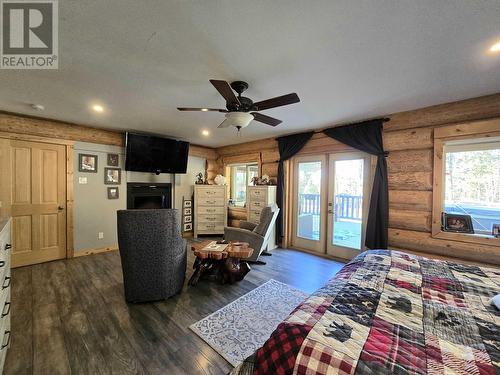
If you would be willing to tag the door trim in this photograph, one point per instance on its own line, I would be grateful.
(69, 179)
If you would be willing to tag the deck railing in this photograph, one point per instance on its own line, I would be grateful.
(346, 206)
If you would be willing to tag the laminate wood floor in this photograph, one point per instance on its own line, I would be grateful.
(70, 316)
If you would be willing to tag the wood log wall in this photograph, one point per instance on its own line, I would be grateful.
(11, 124)
(409, 139)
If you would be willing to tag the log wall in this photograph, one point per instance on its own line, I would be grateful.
(409, 139)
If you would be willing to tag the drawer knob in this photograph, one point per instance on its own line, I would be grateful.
(7, 333)
(6, 282)
(5, 313)
(8, 246)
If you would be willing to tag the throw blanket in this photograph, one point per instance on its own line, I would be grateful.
(390, 312)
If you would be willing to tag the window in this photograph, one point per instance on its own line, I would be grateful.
(467, 179)
(472, 181)
(241, 176)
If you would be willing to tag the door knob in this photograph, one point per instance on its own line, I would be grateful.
(60, 208)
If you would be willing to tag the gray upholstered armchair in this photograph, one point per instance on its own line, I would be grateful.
(153, 254)
(257, 235)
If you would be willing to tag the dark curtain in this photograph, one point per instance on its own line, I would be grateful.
(288, 146)
(367, 137)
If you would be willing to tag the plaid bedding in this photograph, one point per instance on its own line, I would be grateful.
(388, 312)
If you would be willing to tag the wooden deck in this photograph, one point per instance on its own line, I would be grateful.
(70, 316)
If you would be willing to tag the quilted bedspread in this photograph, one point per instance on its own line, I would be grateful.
(388, 312)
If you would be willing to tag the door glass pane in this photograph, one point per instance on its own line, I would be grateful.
(309, 190)
(348, 203)
(239, 185)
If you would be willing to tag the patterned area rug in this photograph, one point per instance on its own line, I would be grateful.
(238, 329)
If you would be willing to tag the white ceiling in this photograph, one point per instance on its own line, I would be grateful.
(347, 60)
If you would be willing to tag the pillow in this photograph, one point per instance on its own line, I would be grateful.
(495, 301)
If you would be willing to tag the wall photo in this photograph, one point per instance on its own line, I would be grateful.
(112, 176)
(87, 163)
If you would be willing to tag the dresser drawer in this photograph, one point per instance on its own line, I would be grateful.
(210, 227)
(210, 193)
(5, 311)
(4, 343)
(4, 277)
(208, 218)
(210, 210)
(5, 244)
(258, 195)
(254, 216)
(210, 202)
(257, 205)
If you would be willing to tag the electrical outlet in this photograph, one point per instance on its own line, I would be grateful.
(100, 235)
(82, 180)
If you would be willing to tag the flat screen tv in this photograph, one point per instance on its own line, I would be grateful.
(146, 153)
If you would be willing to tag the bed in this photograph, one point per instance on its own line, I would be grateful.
(388, 312)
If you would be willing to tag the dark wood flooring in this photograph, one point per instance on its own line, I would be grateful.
(70, 316)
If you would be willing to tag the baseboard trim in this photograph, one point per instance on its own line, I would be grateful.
(98, 250)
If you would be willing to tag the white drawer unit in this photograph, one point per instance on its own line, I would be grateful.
(210, 209)
(259, 197)
(5, 283)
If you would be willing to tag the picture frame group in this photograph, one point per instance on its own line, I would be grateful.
(88, 163)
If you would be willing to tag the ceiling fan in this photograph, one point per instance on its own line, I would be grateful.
(240, 110)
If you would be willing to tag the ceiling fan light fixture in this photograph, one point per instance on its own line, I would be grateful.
(239, 119)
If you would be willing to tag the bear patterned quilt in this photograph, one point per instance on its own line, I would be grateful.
(388, 312)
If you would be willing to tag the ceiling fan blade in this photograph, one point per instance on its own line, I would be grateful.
(224, 124)
(225, 90)
(277, 101)
(201, 109)
(266, 119)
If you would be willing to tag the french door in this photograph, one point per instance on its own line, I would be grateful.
(330, 203)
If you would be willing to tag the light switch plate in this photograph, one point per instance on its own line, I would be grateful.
(100, 235)
(82, 180)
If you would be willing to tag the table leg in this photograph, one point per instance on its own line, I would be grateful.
(199, 267)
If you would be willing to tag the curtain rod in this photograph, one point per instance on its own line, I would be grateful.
(384, 119)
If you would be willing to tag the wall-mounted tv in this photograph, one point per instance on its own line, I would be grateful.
(146, 153)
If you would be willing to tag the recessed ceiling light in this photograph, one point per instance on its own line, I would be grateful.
(98, 108)
(495, 47)
(204, 109)
(205, 133)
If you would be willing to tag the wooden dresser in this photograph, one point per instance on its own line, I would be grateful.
(210, 209)
(259, 197)
(5, 249)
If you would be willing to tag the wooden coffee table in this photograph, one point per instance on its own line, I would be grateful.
(226, 266)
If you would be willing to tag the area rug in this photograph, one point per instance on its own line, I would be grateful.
(238, 329)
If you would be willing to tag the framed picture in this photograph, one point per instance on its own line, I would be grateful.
(113, 160)
(187, 211)
(495, 230)
(457, 223)
(112, 176)
(187, 203)
(87, 163)
(113, 193)
(188, 227)
(187, 219)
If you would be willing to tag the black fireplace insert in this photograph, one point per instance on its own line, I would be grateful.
(148, 195)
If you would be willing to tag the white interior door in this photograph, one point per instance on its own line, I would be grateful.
(348, 196)
(309, 207)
